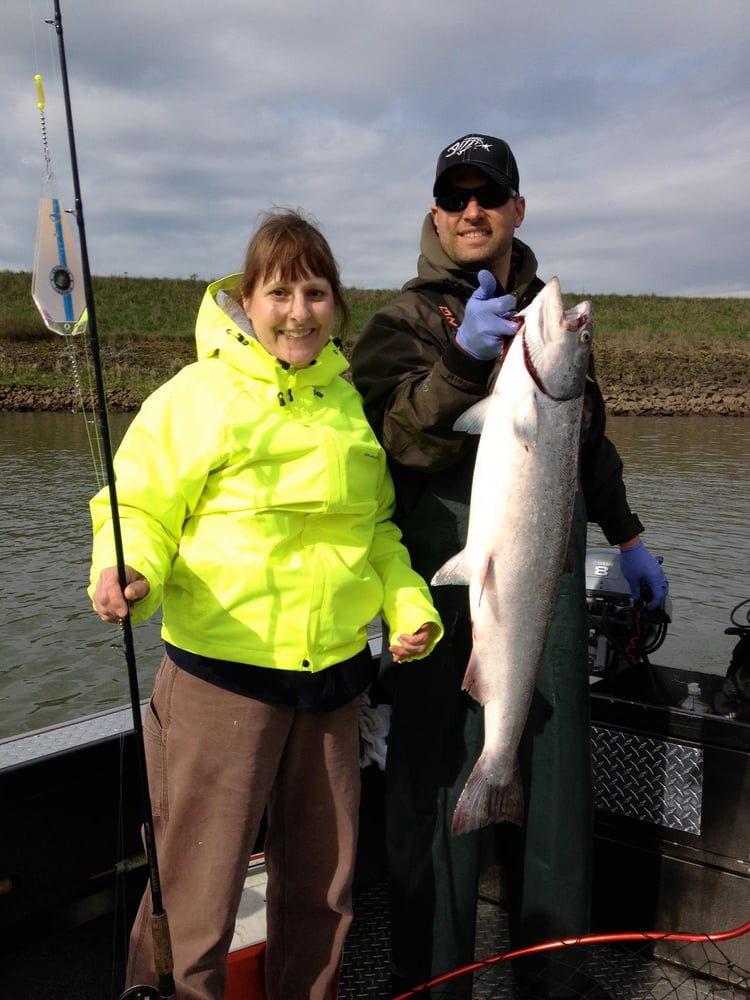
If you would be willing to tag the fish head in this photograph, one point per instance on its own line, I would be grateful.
(557, 343)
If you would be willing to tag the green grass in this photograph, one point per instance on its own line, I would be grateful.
(661, 316)
(165, 309)
(126, 308)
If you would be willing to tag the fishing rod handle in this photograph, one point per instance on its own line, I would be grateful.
(162, 944)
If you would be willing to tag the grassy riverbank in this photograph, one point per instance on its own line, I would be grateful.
(654, 353)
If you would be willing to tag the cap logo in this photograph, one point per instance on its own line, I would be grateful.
(464, 145)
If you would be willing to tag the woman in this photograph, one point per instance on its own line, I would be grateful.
(255, 507)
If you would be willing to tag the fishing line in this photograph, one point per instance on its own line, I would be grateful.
(54, 285)
(54, 248)
(77, 310)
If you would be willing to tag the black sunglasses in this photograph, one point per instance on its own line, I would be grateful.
(488, 196)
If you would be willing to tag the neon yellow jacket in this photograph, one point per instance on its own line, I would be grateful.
(256, 501)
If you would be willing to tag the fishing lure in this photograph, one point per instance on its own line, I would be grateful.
(57, 288)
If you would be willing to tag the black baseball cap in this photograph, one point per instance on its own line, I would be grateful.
(490, 155)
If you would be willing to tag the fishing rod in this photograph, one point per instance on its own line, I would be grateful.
(159, 925)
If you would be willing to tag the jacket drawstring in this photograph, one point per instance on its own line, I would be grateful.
(291, 380)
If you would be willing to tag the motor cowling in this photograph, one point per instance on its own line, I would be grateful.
(621, 631)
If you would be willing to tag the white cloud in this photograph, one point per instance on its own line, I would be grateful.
(629, 124)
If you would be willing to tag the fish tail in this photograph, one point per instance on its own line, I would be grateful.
(483, 802)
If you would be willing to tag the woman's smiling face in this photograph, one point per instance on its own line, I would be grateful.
(292, 319)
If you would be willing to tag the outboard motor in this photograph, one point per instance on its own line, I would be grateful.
(621, 631)
(733, 698)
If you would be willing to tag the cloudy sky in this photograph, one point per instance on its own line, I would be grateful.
(630, 122)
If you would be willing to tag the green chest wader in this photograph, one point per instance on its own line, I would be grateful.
(549, 860)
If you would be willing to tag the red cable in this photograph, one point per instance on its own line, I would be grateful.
(632, 647)
(570, 942)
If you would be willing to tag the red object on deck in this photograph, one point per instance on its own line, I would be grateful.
(246, 980)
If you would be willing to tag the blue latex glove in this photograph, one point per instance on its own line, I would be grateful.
(640, 567)
(487, 321)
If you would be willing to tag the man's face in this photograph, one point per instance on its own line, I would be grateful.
(476, 237)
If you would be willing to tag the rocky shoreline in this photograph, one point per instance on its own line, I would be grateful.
(694, 400)
(711, 381)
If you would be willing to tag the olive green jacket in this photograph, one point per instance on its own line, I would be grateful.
(415, 382)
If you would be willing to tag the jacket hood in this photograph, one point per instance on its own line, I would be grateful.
(434, 264)
(223, 330)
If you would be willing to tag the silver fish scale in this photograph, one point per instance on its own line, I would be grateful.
(648, 779)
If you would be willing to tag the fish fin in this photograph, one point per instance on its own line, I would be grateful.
(486, 572)
(471, 682)
(525, 421)
(472, 420)
(455, 571)
(482, 802)
(472, 678)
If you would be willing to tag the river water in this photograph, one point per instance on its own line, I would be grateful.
(687, 479)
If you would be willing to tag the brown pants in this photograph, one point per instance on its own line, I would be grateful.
(216, 760)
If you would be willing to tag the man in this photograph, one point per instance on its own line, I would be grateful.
(419, 363)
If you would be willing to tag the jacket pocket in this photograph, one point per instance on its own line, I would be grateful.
(155, 729)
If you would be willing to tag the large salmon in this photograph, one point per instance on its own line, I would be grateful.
(520, 516)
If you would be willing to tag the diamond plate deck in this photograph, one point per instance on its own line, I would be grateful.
(648, 779)
(625, 974)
